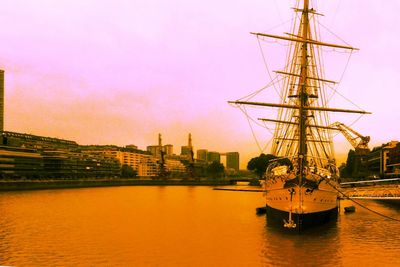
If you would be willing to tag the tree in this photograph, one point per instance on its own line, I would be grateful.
(348, 170)
(127, 171)
(215, 169)
(260, 164)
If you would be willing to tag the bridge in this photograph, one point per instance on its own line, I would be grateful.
(383, 189)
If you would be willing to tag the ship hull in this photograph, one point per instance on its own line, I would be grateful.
(303, 206)
(303, 221)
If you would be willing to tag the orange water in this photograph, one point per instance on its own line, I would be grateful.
(180, 226)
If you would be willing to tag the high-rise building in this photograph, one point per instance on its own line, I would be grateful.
(169, 150)
(232, 160)
(202, 154)
(187, 150)
(154, 150)
(213, 156)
(1, 100)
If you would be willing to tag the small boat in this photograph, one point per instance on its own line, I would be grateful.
(349, 209)
(261, 210)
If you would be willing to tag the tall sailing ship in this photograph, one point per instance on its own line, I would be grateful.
(301, 184)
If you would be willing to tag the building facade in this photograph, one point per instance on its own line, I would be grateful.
(213, 156)
(232, 160)
(202, 155)
(148, 166)
(383, 160)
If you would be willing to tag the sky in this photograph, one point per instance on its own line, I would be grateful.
(122, 71)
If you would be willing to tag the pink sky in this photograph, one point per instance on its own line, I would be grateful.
(120, 72)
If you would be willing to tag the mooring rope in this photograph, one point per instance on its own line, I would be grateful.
(363, 206)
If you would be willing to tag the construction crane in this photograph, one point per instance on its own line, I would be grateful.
(358, 141)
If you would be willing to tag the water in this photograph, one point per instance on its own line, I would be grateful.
(180, 226)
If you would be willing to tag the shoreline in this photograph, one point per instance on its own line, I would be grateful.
(17, 185)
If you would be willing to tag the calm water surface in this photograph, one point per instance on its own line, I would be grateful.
(180, 226)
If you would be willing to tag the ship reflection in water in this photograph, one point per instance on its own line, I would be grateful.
(181, 226)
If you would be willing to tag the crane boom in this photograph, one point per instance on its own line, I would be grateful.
(358, 141)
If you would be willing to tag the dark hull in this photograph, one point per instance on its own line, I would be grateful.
(303, 221)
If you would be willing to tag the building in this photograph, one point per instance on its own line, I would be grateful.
(14, 139)
(132, 147)
(174, 166)
(187, 151)
(213, 156)
(78, 164)
(382, 160)
(32, 156)
(393, 164)
(31, 164)
(129, 158)
(169, 150)
(1, 100)
(232, 160)
(20, 163)
(154, 150)
(202, 155)
(148, 166)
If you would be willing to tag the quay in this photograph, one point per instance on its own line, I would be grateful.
(16, 185)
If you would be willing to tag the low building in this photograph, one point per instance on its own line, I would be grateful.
(20, 163)
(175, 166)
(393, 161)
(148, 166)
(14, 139)
(382, 160)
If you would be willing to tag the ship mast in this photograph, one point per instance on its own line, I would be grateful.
(302, 152)
(302, 130)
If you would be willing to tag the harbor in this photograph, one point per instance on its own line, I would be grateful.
(181, 226)
(199, 133)
(71, 183)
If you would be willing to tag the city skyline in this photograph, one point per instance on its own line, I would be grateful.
(119, 73)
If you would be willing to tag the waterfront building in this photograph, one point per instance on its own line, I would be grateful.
(232, 160)
(14, 139)
(393, 163)
(131, 159)
(174, 166)
(78, 164)
(20, 162)
(30, 163)
(148, 166)
(128, 155)
(33, 156)
(378, 160)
